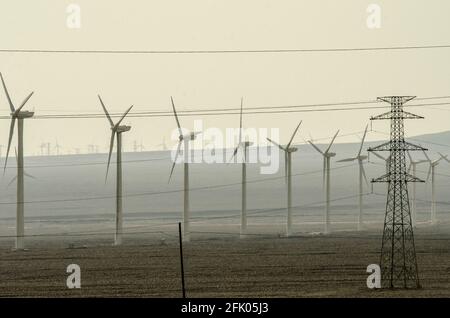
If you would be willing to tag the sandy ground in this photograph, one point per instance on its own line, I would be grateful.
(218, 266)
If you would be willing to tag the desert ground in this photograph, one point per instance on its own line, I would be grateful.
(218, 264)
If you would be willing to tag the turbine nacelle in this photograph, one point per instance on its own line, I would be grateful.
(121, 129)
(22, 114)
(190, 136)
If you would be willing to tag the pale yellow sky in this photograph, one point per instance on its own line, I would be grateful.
(67, 83)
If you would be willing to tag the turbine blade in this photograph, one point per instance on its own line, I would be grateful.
(276, 144)
(106, 112)
(362, 141)
(234, 153)
(176, 117)
(364, 173)
(29, 175)
(11, 106)
(332, 140)
(175, 161)
(293, 135)
(428, 173)
(426, 156)
(11, 132)
(24, 102)
(409, 155)
(111, 145)
(315, 147)
(12, 180)
(443, 157)
(123, 116)
(379, 156)
(347, 159)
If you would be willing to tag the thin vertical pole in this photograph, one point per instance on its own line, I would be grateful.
(244, 194)
(414, 206)
(360, 218)
(181, 260)
(186, 232)
(118, 236)
(327, 215)
(289, 196)
(20, 225)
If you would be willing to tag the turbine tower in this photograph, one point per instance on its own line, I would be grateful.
(19, 115)
(244, 145)
(362, 174)
(327, 155)
(116, 131)
(432, 170)
(185, 139)
(288, 150)
(398, 254)
(412, 166)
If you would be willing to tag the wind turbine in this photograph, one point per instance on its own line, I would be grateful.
(20, 116)
(412, 166)
(327, 155)
(116, 131)
(288, 150)
(432, 170)
(185, 139)
(57, 147)
(163, 144)
(244, 146)
(362, 174)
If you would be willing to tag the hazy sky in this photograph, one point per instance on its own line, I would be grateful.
(69, 83)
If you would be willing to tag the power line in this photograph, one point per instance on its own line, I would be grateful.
(167, 192)
(213, 113)
(229, 51)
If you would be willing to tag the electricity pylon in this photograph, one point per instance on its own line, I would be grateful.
(398, 254)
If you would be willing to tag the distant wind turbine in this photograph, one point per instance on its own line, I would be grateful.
(116, 131)
(19, 115)
(244, 146)
(362, 174)
(288, 150)
(185, 139)
(412, 166)
(327, 155)
(432, 169)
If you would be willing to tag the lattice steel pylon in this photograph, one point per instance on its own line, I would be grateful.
(398, 254)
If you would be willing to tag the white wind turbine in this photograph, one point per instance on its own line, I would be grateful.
(288, 150)
(362, 174)
(432, 170)
(244, 145)
(20, 116)
(412, 166)
(116, 131)
(185, 139)
(327, 155)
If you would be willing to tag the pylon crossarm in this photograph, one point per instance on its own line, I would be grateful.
(386, 115)
(389, 99)
(411, 178)
(383, 178)
(383, 147)
(398, 145)
(412, 147)
(400, 114)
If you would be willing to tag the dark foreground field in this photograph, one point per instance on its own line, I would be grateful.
(260, 266)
